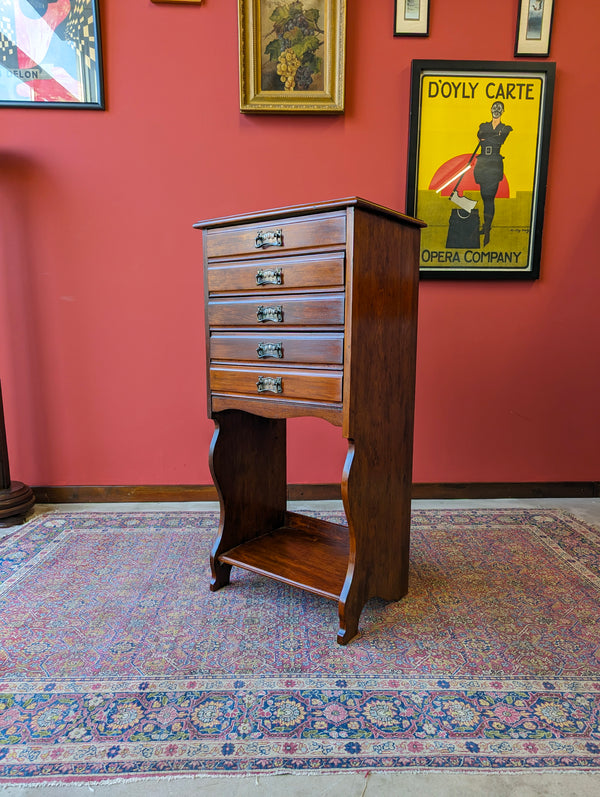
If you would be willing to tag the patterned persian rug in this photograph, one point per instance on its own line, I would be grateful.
(116, 661)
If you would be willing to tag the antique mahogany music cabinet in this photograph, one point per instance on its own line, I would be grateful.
(312, 311)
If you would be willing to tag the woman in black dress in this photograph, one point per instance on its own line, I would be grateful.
(489, 168)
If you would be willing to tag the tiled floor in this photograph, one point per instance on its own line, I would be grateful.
(407, 784)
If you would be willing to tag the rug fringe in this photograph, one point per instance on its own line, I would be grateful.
(366, 774)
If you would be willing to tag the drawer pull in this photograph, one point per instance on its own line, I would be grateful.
(270, 313)
(270, 350)
(268, 238)
(269, 276)
(272, 384)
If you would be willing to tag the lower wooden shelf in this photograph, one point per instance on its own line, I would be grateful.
(305, 552)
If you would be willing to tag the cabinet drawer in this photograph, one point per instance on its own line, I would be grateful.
(277, 236)
(277, 310)
(310, 347)
(282, 383)
(315, 271)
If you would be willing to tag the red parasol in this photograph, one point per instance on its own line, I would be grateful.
(449, 173)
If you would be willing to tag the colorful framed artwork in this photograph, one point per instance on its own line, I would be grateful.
(412, 18)
(181, 2)
(534, 27)
(50, 54)
(478, 160)
(292, 56)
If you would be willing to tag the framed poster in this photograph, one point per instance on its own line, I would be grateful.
(50, 54)
(412, 18)
(478, 159)
(292, 55)
(534, 26)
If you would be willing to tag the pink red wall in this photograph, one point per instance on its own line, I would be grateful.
(101, 317)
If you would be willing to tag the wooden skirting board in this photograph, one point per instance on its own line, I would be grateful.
(87, 494)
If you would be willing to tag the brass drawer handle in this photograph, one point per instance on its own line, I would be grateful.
(265, 350)
(268, 238)
(272, 384)
(270, 313)
(269, 276)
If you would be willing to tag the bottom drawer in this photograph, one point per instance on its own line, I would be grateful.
(282, 383)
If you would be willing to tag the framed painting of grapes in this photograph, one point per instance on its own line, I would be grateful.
(292, 55)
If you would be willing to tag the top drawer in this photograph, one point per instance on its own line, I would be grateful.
(277, 236)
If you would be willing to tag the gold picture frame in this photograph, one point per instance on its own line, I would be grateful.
(292, 56)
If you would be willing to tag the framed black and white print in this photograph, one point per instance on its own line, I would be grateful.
(50, 54)
(534, 28)
(478, 159)
(411, 18)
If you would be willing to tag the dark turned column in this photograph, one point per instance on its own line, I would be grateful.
(16, 498)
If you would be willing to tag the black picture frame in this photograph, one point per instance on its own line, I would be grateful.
(478, 181)
(50, 54)
(534, 28)
(411, 18)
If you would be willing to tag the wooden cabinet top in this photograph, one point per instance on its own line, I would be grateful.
(302, 210)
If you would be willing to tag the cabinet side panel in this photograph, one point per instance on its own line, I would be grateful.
(379, 410)
(382, 321)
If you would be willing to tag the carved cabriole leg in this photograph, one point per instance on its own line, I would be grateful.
(353, 597)
(350, 606)
(248, 465)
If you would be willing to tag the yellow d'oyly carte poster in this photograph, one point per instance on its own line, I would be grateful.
(478, 162)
